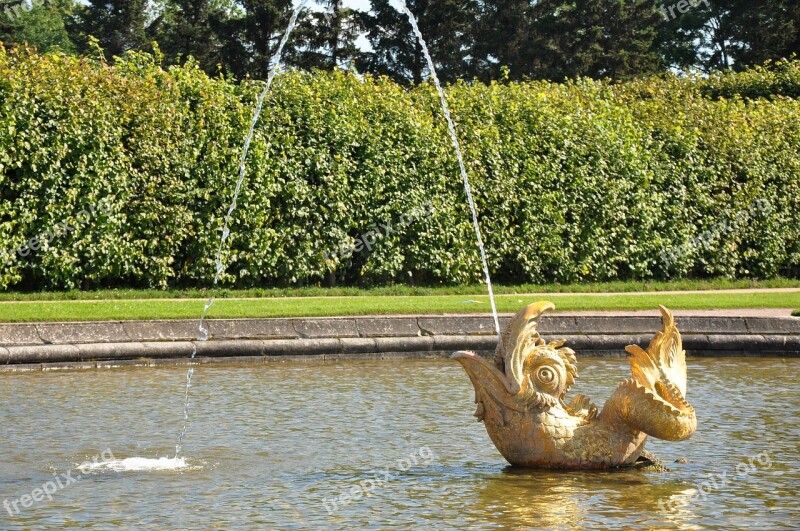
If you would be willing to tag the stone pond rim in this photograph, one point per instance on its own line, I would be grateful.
(34, 346)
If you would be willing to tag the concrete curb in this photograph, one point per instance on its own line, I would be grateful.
(30, 346)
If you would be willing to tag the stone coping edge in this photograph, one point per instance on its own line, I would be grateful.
(98, 355)
(553, 326)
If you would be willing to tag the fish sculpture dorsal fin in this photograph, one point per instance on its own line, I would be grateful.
(519, 337)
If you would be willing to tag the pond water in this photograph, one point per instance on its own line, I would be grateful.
(275, 446)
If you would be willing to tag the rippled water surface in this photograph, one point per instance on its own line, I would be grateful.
(272, 447)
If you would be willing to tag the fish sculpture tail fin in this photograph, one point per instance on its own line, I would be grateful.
(664, 360)
(654, 401)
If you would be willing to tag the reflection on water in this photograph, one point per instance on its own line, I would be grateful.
(392, 442)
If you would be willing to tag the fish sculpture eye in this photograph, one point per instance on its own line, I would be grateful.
(546, 375)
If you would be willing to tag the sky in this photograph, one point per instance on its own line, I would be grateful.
(363, 5)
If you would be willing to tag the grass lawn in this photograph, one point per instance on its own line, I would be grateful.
(133, 309)
(403, 290)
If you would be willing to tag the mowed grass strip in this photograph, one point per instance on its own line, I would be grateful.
(629, 286)
(113, 310)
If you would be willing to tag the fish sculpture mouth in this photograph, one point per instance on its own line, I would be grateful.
(520, 396)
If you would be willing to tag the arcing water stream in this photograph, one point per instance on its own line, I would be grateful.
(220, 267)
(178, 462)
(457, 145)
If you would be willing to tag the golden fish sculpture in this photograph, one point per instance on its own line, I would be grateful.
(520, 396)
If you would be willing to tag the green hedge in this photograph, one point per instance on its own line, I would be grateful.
(781, 78)
(130, 168)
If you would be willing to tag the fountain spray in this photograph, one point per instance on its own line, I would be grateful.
(457, 145)
(203, 333)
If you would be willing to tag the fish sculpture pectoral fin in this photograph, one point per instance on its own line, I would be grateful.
(654, 401)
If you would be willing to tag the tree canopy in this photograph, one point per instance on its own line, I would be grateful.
(469, 39)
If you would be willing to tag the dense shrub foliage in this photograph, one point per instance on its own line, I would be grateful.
(123, 175)
(773, 79)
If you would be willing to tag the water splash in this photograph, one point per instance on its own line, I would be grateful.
(457, 145)
(274, 63)
(136, 464)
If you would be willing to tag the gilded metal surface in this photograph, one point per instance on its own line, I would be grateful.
(520, 396)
